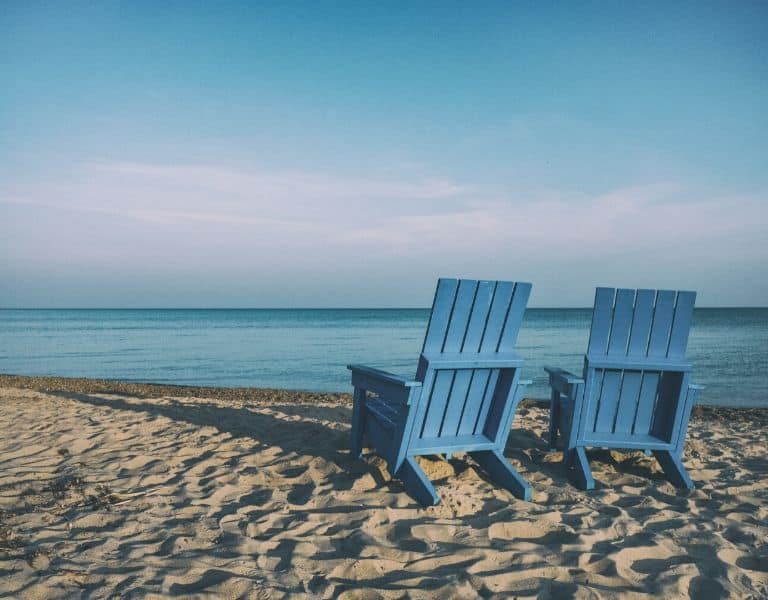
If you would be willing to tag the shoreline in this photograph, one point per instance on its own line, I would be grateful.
(256, 395)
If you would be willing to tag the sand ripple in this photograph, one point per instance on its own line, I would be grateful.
(117, 495)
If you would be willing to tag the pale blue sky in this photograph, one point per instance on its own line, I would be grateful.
(348, 154)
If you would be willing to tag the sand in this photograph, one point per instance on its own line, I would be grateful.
(120, 490)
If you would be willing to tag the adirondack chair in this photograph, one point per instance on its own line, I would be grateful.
(635, 392)
(465, 392)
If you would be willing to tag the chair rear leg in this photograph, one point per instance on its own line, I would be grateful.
(578, 468)
(358, 423)
(503, 473)
(416, 482)
(554, 419)
(674, 469)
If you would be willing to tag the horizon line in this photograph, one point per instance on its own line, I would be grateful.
(309, 307)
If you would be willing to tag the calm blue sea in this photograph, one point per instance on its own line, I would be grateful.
(309, 348)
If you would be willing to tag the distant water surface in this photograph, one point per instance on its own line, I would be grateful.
(309, 348)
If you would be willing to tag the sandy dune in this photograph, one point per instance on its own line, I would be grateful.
(145, 494)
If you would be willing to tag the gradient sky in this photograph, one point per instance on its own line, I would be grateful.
(348, 154)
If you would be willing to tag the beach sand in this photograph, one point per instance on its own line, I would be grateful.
(120, 490)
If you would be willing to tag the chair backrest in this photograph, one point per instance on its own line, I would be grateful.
(635, 367)
(471, 323)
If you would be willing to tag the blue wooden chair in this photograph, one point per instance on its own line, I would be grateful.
(635, 392)
(465, 392)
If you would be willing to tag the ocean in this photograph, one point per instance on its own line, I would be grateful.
(308, 349)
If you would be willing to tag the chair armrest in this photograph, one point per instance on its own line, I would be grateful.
(562, 380)
(383, 375)
(384, 384)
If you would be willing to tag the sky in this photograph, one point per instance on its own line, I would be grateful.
(332, 154)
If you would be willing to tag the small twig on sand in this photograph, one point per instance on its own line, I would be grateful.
(126, 498)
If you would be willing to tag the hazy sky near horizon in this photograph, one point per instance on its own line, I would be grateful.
(347, 154)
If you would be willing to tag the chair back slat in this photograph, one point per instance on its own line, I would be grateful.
(440, 317)
(511, 328)
(641, 323)
(480, 311)
(662, 323)
(497, 316)
(462, 309)
(621, 322)
(602, 314)
(681, 325)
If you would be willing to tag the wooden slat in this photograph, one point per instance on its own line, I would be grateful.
(479, 316)
(485, 404)
(601, 321)
(467, 360)
(438, 399)
(462, 308)
(628, 399)
(441, 315)
(497, 316)
(457, 402)
(622, 322)
(384, 408)
(591, 399)
(678, 339)
(661, 363)
(641, 323)
(640, 442)
(474, 403)
(646, 402)
(662, 323)
(514, 317)
(465, 443)
(609, 400)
